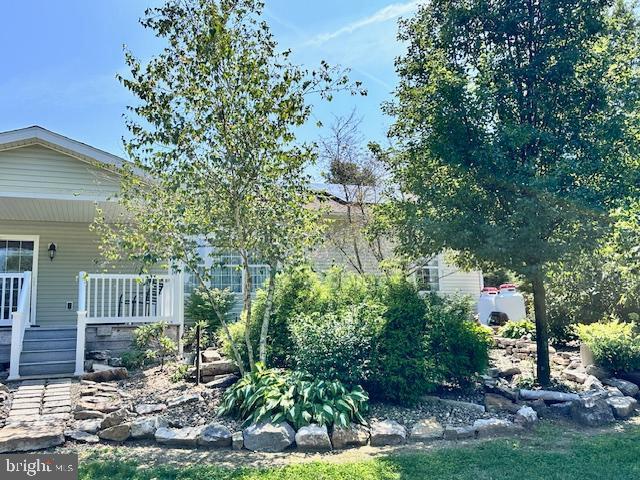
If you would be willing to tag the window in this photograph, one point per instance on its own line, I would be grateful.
(428, 276)
(16, 256)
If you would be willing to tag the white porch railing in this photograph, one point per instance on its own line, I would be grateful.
(10, 288)
(126, 299)
(20, 320)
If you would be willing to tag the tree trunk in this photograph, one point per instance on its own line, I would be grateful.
(540, 308)
(267, 313)
(246, 307)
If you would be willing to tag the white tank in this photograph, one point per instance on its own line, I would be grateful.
(487, 304)
(510, 302)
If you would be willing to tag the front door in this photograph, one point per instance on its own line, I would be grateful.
(18, 254)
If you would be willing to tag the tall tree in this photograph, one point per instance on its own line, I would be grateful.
(517, 130)
(212, 138)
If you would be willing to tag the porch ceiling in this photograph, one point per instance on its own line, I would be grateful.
(50, 210)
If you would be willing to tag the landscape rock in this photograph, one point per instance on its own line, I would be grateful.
(114, 418)
(219, 367)
(146, 427)
(88, 414)
(591, 412)
(313, 438)
(490, 427)
(237, 441)
(592, 383)
(106, 375)
(99, 355)
(426, 429)
(498, 403)
(455, 403)
(623, 407)
(4, 388)
(117, 433)
(628, 388)
(560, 360)
(215, 436)
(598, 372)
(81, 436)
(33, 437)
(268, 437)
(526, 416)
(210, 355)
(387, 432)
(222, 381)
(115, 362)
(509, 372)
(548, 396)
(147, 408)
(183, 399)
(90, 426)
(574, 375)
(352, 436)
(614, 392)
(178, 437)
(560, 410)
(459, 433)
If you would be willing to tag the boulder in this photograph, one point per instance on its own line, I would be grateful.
(498, 403)
(490, 427)
(146, 427)
(147, 408)
(614, 392)
(222, 381)
(623, 407)
(81, 436)
(459, 433)
(560, 410)
(426, 429)
(574, 375)
(115, 362)
(117, 433)
(628, 388)
(509, 372)
(88, 414)
(99, 355)
(237, 441)
(109, 374)
(387, 432)
(548, 396)
(32, 437)
(493, 372)
(313, 438)
(215, 435)
(219, 367)
(352, 436)
(633, 377)
(598, 372)
(560, 360)
(183, 399)
(91, 425)
(592, 383)
(178, 437)
(591, 412)
(4, 388)
(210, 355)
(526, 416)
(268, 437)
(114, 418)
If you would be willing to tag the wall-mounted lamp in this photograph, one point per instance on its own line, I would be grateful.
(52, 251)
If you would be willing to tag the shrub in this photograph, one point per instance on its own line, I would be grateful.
(279, 395)
(180, 373)
(133, 359)
(456, 348)
(398, 363)
(154, 343)
(518, 329)
(337, 346)
(189, 337)
(201, 308)
(237, 334)
(615, 345)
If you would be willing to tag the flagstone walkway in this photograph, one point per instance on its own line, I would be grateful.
(41, 400)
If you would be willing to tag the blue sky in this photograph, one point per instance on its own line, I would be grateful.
(59, 59)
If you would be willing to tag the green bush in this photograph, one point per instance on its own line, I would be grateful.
(189, 337)
(337, 346)
(236, 329)
(456, 348)
(518, 329)
(201, 308)
(133, 359)
(154, 343)
(280, 395)
(615, 345)
(399, 373)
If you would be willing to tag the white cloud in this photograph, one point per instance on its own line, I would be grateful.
(383, 15)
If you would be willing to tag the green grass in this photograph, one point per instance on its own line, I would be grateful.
(550, 454)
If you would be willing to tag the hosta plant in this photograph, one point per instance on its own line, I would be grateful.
(277, 395)
(518, 329)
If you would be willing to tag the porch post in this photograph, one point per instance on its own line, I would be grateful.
(82, 323)
(16, 345)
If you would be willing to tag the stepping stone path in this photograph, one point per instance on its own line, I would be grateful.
(41, 401)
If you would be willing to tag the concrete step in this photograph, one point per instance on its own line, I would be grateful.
(49, 355)
(30, 345)
(41, 333)
(47, 368)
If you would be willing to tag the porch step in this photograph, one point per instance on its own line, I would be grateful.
(48, 344)
(47, 368)
(48, 355)
(41, 333)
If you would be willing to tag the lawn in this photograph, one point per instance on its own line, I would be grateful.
(552, 453)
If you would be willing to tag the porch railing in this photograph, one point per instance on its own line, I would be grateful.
(126, 299)
(10, 288)
(20, 320)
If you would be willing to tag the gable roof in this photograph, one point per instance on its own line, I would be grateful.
(36, 135)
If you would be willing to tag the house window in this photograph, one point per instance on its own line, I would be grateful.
(428, 277)
(16, 256)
